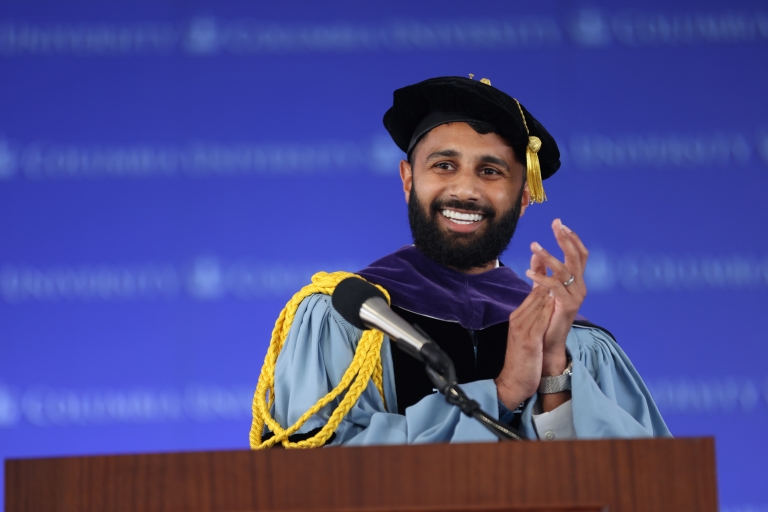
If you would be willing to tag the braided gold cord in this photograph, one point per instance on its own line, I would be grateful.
(523, 116)
(366, 365)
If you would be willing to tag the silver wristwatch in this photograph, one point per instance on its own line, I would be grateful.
(558, 383)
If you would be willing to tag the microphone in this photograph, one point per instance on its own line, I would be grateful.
(365, 306)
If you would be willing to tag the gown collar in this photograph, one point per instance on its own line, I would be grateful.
(420, 285)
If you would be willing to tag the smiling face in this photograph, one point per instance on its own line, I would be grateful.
(465, 193)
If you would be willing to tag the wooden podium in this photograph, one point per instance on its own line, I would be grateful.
(653, 475)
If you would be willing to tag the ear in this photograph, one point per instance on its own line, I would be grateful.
(525, 200)
(406, 175)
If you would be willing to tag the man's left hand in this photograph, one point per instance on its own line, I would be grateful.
(568, 299)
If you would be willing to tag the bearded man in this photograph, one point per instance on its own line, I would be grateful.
(475, 162)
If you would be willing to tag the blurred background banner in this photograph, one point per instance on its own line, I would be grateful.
(172, 172)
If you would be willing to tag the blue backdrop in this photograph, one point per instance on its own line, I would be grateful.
(171, 173)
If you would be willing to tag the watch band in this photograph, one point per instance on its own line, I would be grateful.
(557, 383)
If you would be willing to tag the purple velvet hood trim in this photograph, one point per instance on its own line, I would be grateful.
(427, 288)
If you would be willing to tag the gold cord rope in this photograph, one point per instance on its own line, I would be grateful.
(365, 366)
(535, 184)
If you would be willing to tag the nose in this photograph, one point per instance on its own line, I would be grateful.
(465, 186)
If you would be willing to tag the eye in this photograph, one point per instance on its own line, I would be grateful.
(445, 166)
(489, 171)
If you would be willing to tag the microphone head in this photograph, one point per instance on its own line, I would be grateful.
(349, 296)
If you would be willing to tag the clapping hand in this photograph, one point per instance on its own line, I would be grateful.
(539, 327)
(566, 284)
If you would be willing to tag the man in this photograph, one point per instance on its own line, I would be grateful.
(475, 161)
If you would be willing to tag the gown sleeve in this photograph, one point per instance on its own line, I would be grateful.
(319, 349)
(609, 399)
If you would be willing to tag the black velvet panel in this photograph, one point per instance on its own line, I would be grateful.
(411, 381)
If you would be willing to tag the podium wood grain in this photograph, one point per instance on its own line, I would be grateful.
(624, 475)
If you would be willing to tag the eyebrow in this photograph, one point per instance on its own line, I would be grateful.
(452, 153)
(448, 153)
(488, 159)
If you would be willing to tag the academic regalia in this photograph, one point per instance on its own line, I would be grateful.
(609, 399)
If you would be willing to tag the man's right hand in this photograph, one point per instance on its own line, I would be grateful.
(520, 377)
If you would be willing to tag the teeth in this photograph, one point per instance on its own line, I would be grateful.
(462, 218)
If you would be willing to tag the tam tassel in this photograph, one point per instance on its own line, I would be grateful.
(535, 184)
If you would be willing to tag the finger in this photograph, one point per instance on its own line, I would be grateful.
(535, 324)
(537, 266)
(558, 268)
(525, 314)
(583, 256)
(543, 319)
(569, 295)
(573, 257)
(580, 247)
(531, 302)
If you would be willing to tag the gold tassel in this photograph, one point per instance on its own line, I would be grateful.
(535, 185)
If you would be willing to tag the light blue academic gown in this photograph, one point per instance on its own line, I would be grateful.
(609, 399)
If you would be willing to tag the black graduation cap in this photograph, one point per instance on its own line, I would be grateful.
(420, 107)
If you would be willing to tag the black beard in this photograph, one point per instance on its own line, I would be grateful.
(461, 251)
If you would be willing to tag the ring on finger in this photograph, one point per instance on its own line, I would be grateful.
(570, 281)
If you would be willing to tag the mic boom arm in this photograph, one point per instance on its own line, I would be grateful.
(441, 372)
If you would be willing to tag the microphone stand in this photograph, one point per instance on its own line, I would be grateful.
(365, 307)
(442, 373)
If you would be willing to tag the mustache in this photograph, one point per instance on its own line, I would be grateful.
(470, 206)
